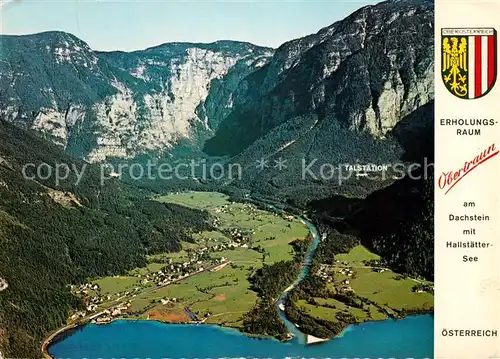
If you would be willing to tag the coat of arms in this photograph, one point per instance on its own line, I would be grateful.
(469, 61)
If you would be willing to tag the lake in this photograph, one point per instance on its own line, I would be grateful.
(411, 337)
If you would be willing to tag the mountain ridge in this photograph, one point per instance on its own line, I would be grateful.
(338, 97)
(110, 99)
(173, 43)
(221, 100)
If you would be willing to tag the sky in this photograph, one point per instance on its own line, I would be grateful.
(137, 24)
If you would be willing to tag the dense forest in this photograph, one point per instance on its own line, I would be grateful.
(269, 282)
(396, 221)
(53, 235)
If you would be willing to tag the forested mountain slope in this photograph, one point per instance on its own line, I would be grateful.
(52, 236)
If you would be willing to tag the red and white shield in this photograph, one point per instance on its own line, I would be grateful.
(469, 61)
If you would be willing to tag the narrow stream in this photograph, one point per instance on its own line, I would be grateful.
(301, 337)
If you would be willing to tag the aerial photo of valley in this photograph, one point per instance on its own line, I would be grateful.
(216, 179)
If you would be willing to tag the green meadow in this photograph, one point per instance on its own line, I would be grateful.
(357, 256)
(115, 285)
(387, 292)
(224, 294)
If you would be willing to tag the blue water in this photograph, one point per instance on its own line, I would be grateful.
(302, 275)
(411, 337)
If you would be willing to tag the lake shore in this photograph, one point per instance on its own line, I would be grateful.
(62, 333)
(292, 328)
(141, 338)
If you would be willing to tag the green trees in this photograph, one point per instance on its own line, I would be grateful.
(264, 319)
(46, 245)
(271, 280)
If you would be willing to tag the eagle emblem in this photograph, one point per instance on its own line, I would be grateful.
(468, 61)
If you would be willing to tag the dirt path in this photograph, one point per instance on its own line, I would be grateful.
(219, 314)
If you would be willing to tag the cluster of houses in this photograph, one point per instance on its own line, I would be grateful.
(105, 316)
(238, 235)
(166, 300)
(172, 273)
(326, 272)
(228, 209)
(109, 314)
(423, 288)
(346, 286)
(77, 315)
(223, 209)
(85, 288)
(198, 261)
(346, 271)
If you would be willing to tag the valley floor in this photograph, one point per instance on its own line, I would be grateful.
(208, 281)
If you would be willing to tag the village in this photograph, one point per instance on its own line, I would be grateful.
(135, 294)
(198, 260)
(95, 301)
(330, 273)
(171, 273)
(342, 273)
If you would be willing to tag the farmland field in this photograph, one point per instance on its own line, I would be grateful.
(377, 292)
(357, 256)
(207, 280)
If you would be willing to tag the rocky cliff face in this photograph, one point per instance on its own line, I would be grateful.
(102, 105)
(366, 72)
(335, 95)
(334, 98)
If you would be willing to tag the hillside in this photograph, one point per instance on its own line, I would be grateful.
(360, 91)
(334, 97)
(53, 236)
(396, 221)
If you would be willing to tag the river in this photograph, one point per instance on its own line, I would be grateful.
(408, 337)
(300, 337)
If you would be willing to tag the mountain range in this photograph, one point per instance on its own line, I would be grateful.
(334, 95)
(358, 91)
